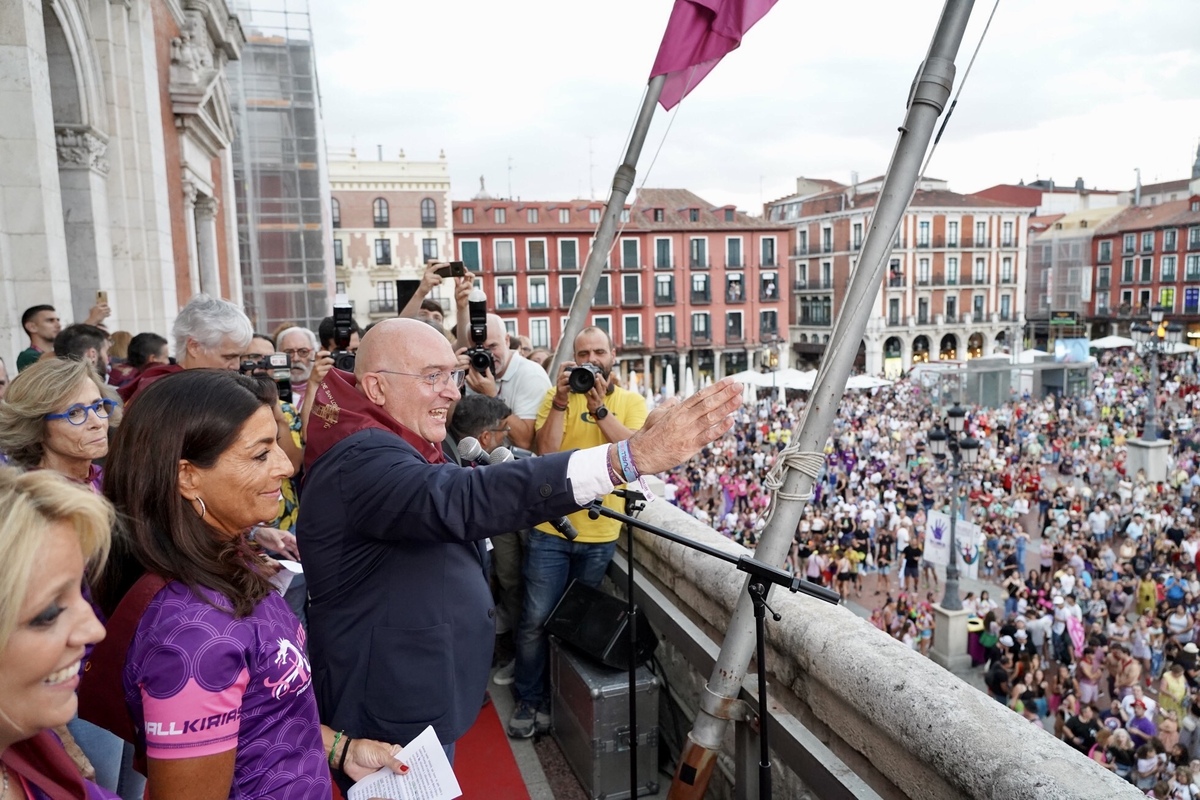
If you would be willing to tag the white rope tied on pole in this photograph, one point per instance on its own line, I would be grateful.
(790, 457)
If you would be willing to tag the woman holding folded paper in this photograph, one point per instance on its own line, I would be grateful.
(210, 660)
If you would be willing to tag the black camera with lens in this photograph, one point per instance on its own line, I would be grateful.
(277, 367)
(343, 327)
(582, 378)
(482, 360)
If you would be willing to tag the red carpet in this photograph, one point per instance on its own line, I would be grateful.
(484, 763)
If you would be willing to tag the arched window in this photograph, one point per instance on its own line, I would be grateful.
(380, 207)
(337, 213)
(428, 213)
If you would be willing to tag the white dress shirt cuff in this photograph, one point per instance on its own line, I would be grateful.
(587, 470)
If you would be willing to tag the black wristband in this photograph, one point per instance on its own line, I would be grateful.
(557, 407)
(342, 760)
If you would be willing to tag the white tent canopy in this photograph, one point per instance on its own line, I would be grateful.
(1111, 342)
(866, 382)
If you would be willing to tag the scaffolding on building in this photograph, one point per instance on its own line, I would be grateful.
(1059, 283)
(280, 171)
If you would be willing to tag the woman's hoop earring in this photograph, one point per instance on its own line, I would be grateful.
(203, 510)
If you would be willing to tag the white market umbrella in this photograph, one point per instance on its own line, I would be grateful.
(866, 382)
(1177, 348)
(1111, 342)
(689, 383)
(668, 387)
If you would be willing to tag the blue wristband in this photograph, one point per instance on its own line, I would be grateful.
(626, 459)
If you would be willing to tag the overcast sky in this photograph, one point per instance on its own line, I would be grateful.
(1060, 90)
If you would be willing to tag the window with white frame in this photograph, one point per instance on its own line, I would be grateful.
(506, 293)
(539, 332)
(337, 252)
(1006, 270)
(539, 292)
(567, 286)
(1168, 269)
(662, 253)
(701, 326)
(468, 253)
(568, 254)
(603, 295)
(952, 233)
(981, 274)
(1006, 234)
(1170, 239)
(631, 290)
(768, 323)
(733, 252)
(429, 249)
(981, 236)
(564, 216)
(500, 215)
(502, 251)
(603, 322)
(952, 270)
(383, 252)
(631, 325)
(531, 216)
(768, 251)
(535, 253)
(510, 327)
(630, 257)
(594, 216)
(699, 253)
(467, 215)
(923, 233)
(923, 276)
(664, 327)
(733, 326)
(768, 286)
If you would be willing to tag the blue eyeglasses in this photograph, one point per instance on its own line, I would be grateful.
(78, 413)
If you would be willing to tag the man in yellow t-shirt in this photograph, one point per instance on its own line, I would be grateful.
(568, 421)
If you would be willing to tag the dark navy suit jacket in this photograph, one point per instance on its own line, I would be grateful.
(400, 615)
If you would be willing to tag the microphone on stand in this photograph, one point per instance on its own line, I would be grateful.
(562, 524)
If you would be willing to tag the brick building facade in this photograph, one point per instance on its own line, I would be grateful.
(687, 284)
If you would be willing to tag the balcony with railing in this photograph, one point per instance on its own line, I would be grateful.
(894, 321)
(1104, 256)
(818, 320)
(735, 295)
(1193, 244)
(734, 335)
(383, 307)
(1007, 279)
(701, 298)
(701, 338)
(664, 339)
(696, 263)
(664, 298)
(1104, 284)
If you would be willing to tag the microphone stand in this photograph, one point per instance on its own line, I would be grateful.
(761, 577)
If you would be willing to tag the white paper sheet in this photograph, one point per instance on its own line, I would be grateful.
(282, 579)
(429, 776)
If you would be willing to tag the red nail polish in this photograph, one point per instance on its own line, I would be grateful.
(403, 768)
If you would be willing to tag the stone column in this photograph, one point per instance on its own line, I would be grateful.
(950, 639)
(83, 179)
(33, 248)
(206, 246)
(190, 195)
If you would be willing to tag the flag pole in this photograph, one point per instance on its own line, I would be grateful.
(927, 99)
(622, 185)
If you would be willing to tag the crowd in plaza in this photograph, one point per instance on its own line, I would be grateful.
(1087, 609)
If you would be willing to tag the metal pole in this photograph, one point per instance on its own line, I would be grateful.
(593, 269)
(951, 601)
(1150, 432)
(929, 95)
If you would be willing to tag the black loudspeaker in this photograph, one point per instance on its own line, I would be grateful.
(598, 624)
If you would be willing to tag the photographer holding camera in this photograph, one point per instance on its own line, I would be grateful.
(496, 371)
(585, 409)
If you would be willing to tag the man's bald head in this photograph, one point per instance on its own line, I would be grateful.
(399, 344)
(393, 362)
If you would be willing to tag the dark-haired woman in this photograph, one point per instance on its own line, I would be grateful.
(194, 467)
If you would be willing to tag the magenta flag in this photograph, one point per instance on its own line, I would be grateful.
(699, 34)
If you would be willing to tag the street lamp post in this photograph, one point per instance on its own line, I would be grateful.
(1154, 339)
(962, 450)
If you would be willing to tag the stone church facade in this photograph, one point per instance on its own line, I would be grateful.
(115, 159)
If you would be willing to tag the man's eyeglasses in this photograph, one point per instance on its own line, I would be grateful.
(436, 380)
(78, 413)
(301, 353)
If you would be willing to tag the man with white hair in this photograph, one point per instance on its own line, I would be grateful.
(209, 333)
(301, 346)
